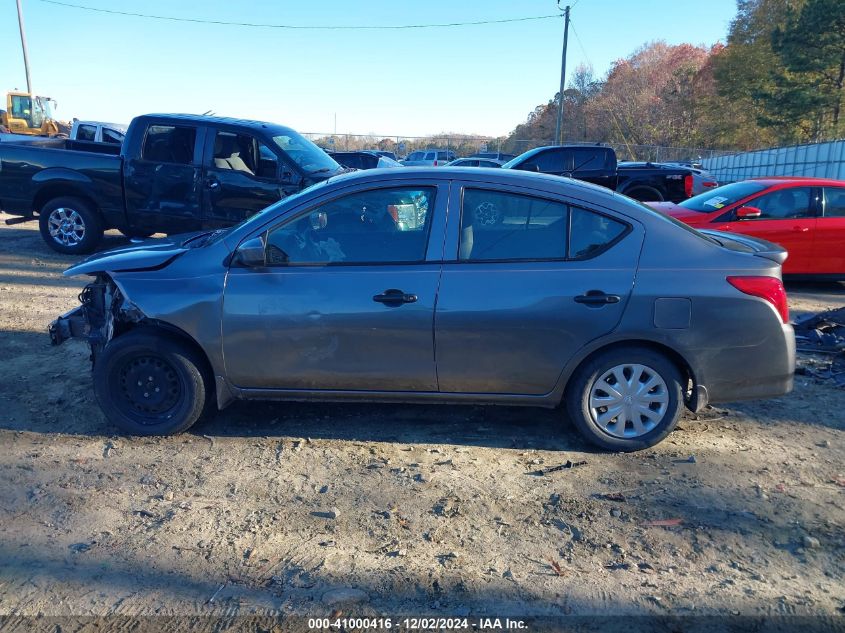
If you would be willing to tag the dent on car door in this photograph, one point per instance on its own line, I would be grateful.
(346, 299)
(162, 184)
(535, 279)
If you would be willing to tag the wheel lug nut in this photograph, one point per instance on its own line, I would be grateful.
(146, 395)
(157, 389)
(139, 383)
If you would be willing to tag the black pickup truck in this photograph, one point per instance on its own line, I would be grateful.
(174, 173)
(597, 164)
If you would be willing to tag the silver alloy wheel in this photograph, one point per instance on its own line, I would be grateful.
(628, 400)
(66, 226)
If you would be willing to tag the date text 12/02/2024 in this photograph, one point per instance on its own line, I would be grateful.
(422, 624)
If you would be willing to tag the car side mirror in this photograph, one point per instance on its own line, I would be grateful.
(748, 213)
(251, 253)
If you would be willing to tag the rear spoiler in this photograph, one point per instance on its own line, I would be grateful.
(746, 244)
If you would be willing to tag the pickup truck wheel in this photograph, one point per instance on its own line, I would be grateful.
(69, 225)
(625, 399)
(645, 194)
(149, 383)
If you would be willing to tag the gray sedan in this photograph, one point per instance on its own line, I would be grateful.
(450, 285)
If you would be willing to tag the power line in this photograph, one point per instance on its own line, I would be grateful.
(580, 45)
(297, 26)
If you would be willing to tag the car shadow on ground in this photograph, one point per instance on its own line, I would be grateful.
(487, 426)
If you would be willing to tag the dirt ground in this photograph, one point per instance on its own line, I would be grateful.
(375, 509)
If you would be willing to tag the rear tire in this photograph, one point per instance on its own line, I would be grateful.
(625, 399)
(645, 194)
(150, 383)
(69, 225)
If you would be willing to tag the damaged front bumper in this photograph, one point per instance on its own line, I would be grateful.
(94, 320)
(72, 324)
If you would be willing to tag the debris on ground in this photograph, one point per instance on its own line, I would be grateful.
(553, 469)
(820, 337)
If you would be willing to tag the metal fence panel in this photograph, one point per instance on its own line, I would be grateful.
(815, 160)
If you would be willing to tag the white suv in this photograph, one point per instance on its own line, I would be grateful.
(429, 158)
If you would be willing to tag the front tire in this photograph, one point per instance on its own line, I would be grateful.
(625, 399)
(150, 383)
(69, 225)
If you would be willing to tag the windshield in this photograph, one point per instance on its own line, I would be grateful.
(305, 154)
(721, 197)
(45, 104)
(518, 160)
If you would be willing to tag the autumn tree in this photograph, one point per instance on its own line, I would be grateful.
(811, 49)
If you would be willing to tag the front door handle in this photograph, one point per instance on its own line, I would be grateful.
(596, 297)
(800, 229)
(212, 183)
(394, 297)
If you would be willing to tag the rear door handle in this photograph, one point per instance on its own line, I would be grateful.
(800, 229)
(395, 297)
(596, 297)
(212, 183)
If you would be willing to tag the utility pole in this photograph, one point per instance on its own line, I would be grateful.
(23, 45)
(559, 124)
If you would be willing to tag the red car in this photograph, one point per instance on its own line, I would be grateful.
(804, 215)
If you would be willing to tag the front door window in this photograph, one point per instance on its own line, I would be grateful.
(378, 226)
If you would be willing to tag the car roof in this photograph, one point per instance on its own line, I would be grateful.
(494, 175)
(797, 180)
(221, 120)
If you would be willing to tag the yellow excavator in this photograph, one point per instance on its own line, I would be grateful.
(26, 113)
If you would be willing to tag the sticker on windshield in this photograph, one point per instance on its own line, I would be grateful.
(717, 202)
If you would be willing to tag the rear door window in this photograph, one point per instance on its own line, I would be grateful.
(86, 133)
(834, 202)
(589, 159)
(553, 161)
(112, 136)
(169, 144)
(592, 233)
(500, 226)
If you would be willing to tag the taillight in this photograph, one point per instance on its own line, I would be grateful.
(769, 288)
(435, 163)
(709, 184)
(688, 185)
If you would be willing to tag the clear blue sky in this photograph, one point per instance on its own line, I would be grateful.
(473, 79)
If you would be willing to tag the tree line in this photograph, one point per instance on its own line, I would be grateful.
(777, 80)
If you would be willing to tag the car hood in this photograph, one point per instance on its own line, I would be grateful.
(676, 211)
(151, 253)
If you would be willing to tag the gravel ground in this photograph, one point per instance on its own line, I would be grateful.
(368, 509)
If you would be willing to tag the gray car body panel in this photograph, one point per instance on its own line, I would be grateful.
(481, 332)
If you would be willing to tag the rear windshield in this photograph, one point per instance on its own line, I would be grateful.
(721, 197)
